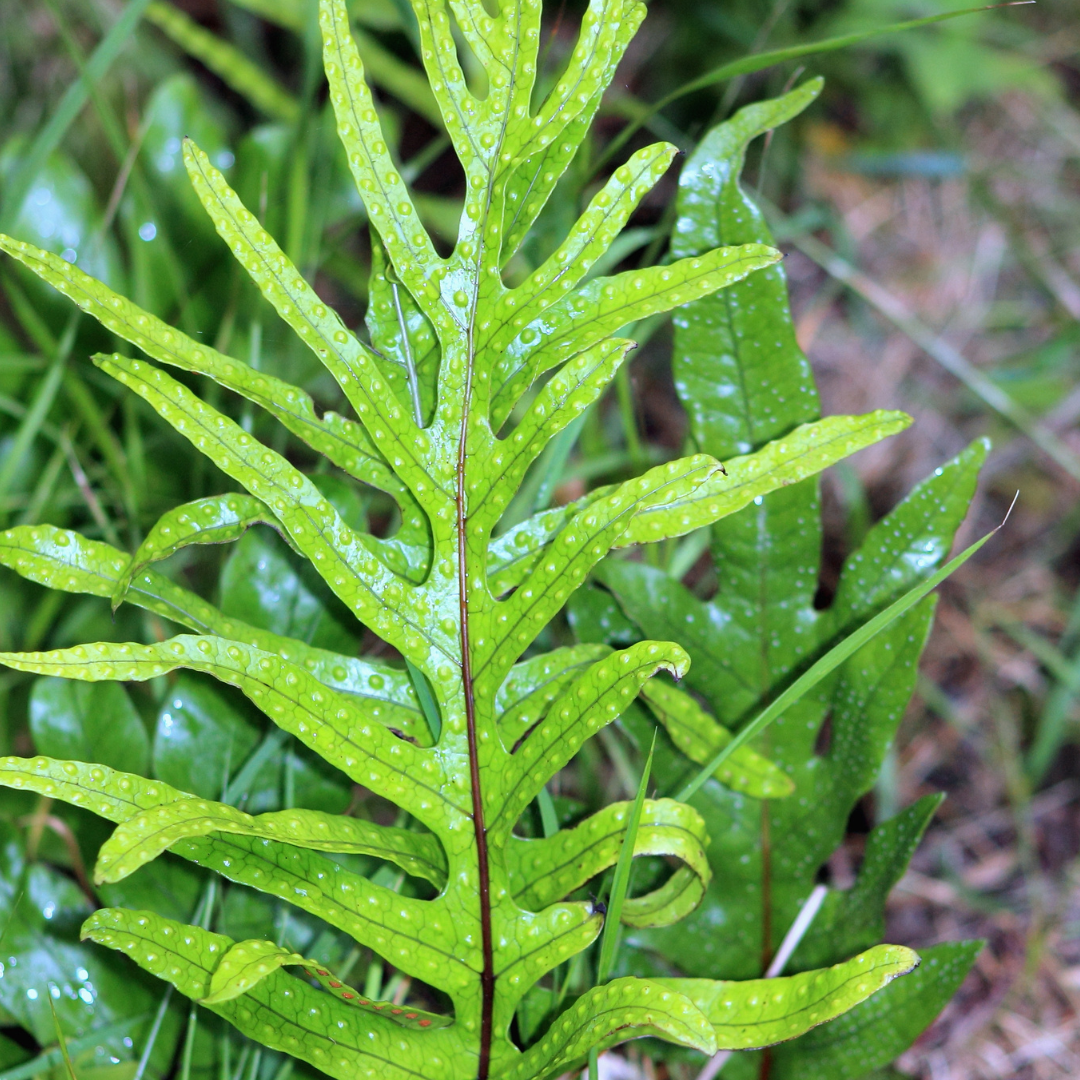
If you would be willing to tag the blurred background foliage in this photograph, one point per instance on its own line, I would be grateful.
(930, 203)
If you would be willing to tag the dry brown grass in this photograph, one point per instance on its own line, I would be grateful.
(989, 261)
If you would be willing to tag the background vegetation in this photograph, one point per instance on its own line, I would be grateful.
(929, 202)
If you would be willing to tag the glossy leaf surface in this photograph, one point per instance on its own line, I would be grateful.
(216, 520)
(543, 871)
(88, 723)
(699, 736)
(878, 1030)
(147, 835)
(764, 1011)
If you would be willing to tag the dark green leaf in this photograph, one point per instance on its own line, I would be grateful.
(201, 738)
(88, 723)
(855, 919)
(260, 585)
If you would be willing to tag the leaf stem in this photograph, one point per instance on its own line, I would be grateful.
(483, 873)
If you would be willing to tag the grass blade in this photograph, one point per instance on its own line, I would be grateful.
(60, 1040)
(610, 941)
(69, 108)
(549, 819)
(428, 703)
(35, 416)
(224, 60)
(832, 660)
(155, 1028)
(747, 65)
(189, 1043)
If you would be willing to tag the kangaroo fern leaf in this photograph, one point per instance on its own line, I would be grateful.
(458, 387)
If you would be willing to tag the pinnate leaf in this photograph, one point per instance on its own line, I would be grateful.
(910, 542)
(337, 726)
(601, 306)
(214, 520)
(588, 240)
(805, 452)
(583, 540)
(344, 442)
(760, 1012)
(280, 1011)
(594, 699)
(854, 918)
(389, 204)
(456, 354)
(318, 326)
(144, 837)
(355, 565)
(244, 964)
(608, 1014)
(877, 1030)
(744, 382)
(113, 795)
(534, 684)
(66, 560)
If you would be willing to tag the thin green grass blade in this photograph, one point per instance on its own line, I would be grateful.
(189, 1043)
(48, 139)
(224, 60)
(428, 704)
(747, 65)
(549, 819)
(34, 418)
(609, 943)
(830, 661)
(60, 1039)
(155, 1030)
(49, 1059)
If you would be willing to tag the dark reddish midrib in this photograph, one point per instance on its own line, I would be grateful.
(487, 975)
